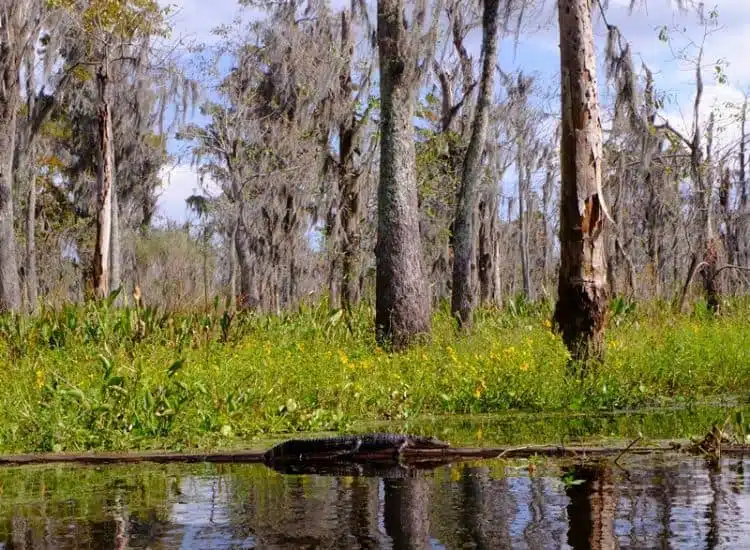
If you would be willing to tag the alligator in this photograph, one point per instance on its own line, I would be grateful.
(349, 447)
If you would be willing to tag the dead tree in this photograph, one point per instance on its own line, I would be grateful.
(580, 312)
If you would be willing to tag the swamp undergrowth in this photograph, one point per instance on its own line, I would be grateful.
(100, 377)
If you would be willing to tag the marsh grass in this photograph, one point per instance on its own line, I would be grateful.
(98, 377)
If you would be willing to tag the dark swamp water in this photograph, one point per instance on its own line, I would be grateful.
(660, 501)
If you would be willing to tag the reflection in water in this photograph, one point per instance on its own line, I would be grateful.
(676, 502)
(591, 507)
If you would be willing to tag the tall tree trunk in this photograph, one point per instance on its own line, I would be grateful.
(18, 21)
(523, 230)
(710, 245)
(10, 288)
(743, 239)
(104, 185)
(349, 182)
(463, 232)
(546, 199)
(486, 249)
(290, 292)
(580, 312)
(115, 247)
(232, 267)
(333, 234)
(32, 281)
(402, 300)
(654, 236)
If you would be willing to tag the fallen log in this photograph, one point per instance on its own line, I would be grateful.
(409, 456)
(132, 458)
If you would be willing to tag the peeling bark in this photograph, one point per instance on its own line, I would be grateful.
(104, 185)
(580, 312)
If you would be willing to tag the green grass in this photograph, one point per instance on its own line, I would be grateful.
(96, 377)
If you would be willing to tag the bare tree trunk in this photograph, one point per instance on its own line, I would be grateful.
(743, 240)
(18, 21)
(333, 236)
(351, 261)
(402, 300)
(10, 288)
(580, 312)
(486, 249)
(523, 230)
(497, 284)
(104, 185)
(32, 281)
(710, 246)
(463, 231)
(729, 235)
(350, 183)
(546, 237)
(290, 249)
(233, 266)
(653, 222)
(115, 250)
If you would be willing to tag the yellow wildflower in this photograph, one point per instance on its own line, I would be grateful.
(524, 366)
(301, 347)
(509, 350)
(39, 378)
(548, 323)
(343, 358)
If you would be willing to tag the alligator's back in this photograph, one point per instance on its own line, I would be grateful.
(341, 447)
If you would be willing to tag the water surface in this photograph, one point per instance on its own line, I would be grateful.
(653, 502)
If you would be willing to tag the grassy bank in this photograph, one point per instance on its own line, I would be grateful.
(95, 377)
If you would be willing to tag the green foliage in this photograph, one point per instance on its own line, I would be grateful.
(98, 377)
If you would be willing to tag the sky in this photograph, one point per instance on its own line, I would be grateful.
(537, 53)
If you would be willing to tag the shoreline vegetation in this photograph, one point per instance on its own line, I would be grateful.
(100, 378)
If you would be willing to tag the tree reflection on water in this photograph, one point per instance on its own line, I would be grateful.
(679, 502)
